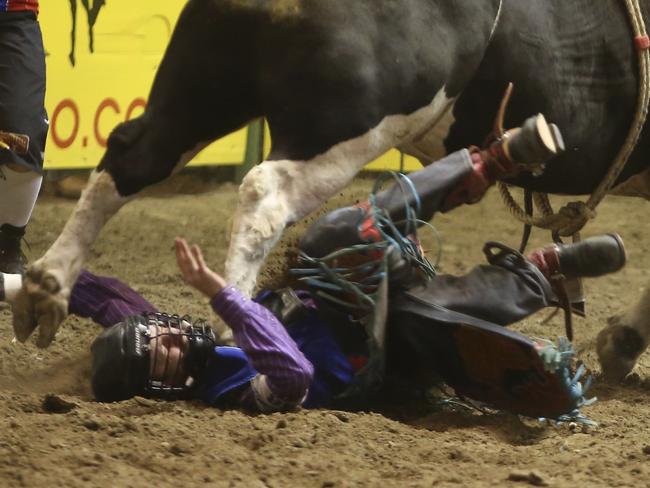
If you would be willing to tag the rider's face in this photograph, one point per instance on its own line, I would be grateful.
(167, 349)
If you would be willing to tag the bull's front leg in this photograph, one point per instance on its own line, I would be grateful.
(620, 344)
(260, 218)
(43, 300)
(272, 195)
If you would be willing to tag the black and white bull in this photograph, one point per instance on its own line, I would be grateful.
(341, 82)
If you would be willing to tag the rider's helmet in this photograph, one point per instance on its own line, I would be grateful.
(152, 355)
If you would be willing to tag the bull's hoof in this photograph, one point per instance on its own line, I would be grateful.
(618, 347)
(41, 303)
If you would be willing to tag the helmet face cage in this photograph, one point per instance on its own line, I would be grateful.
(194, 342)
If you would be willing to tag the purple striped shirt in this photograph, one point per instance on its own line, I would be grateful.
(284, 372)
(269, 348)
(105, 300)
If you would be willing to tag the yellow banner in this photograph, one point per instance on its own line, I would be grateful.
(100, 65)
(95, 83)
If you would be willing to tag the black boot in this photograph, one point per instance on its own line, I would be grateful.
(525, 148)
(535, 142)
(592, 257)
(12, 259)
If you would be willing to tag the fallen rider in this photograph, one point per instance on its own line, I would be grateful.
(311, 347)
(278, 367)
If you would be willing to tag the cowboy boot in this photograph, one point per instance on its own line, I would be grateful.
(595, 256)
(524, 148)
(535, 142)
(12, 259)
(564, 264)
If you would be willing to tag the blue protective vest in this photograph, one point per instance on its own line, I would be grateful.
(229, 367)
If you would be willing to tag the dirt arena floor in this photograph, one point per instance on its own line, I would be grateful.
(53, 434)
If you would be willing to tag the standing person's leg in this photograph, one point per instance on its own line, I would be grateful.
(23, 130)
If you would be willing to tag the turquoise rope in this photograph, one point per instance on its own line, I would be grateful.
(318, 274)
(558, 359)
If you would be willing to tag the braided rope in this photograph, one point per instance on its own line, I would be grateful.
(571, 218)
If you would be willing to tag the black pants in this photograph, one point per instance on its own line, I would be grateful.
(22, 87)
(425, 331)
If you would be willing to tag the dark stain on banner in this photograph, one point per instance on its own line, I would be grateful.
(92, 12)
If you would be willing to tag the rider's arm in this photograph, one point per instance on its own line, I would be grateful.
(284, 372)
(105, 300)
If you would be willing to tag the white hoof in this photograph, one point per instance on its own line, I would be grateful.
(41, 303)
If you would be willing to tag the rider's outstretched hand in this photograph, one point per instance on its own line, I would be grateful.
(194, 270)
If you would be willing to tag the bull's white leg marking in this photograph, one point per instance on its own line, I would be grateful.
(278, 192)
(45, 294)
(621, 343)
(43, 300)
(99, 201)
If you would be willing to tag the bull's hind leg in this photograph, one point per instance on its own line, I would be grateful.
(283, 191)
(272, 195)
(620, 344)
(43, 300)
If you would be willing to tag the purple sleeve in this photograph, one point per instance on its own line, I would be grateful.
(105, 300)
(272, 352)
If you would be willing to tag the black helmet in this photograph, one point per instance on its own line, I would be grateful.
(121, 356)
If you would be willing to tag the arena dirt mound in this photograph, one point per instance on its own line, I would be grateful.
(142, 443)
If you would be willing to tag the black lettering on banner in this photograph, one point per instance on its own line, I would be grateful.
(92, 12)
